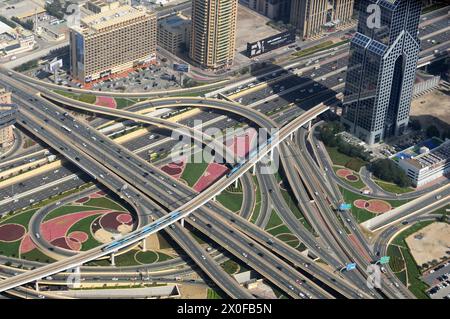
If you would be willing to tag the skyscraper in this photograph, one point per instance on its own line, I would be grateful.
(7, 119)
(213, 35)
(113, 41)
(310, 17)
(381, 69)
(273, 9)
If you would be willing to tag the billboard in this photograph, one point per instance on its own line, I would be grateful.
(181, 67)
(271, 43)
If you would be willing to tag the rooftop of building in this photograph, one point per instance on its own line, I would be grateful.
(109, 18)
(432, 157)
(104, 5)
(414, 150)
(4, 28)
(176, 20)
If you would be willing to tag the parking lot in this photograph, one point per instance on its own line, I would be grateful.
(439, 281)
(159, 76)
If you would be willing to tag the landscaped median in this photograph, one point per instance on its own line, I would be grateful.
(277, 228)
(117, 102)
(320, 47)
(365, 207)
(349, 176)
(393, 188)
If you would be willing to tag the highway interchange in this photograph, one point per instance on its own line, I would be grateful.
(149, 196)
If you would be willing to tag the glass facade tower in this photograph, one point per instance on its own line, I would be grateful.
(381, 70)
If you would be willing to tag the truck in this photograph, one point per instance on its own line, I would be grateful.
(51, 158)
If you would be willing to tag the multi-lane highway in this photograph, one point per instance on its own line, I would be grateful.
(153, 194)
(201, 194)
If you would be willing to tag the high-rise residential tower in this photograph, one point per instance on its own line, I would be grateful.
(7, 119)
(213, 34)
(112, 41)
(311, 17)
(273, 9)
(381, 69)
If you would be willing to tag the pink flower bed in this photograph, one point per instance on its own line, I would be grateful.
(106, 101)
(213, 172)
(175, 169)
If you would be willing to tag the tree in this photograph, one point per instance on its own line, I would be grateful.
(7, 22)
(244, 70)
(386, 170)
(28, 24)
(328, 131)
(432, 131)
(55, 9)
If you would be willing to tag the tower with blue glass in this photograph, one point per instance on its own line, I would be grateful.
(381, 69)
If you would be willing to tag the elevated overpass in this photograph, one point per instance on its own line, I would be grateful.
(7, 115)
(416, 207)
(167, 220)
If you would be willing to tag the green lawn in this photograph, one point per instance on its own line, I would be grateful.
(104, 202)
(123, 102)
(341, 159)
(416, 285)
(274, 220)
(230, 266)
(362, 215)
(11, 249)
(290, 239)
(21, 218)
(396, 261)
(37, 255)
(320, 47)
(393, 188)
(358, 184)
(64, 210)
(295, 210)
(442, 211)
(212, 294)
(127, 259)
(84, 225)
(91, 98)
(257, 208)
(150, 257)
(281, 229)
(87, 98)
(193, 171)
(402, 276)
(232, 201)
